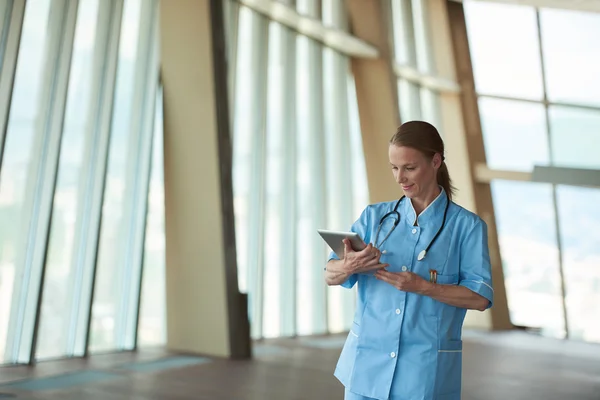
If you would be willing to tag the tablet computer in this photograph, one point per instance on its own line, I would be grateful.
(334, 240)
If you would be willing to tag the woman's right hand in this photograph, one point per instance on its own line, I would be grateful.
(356, 262)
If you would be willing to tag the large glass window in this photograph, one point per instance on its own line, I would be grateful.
(74, 178)
(152, 328)
(571, 48)
(575, 136)
(117, 284)
(548, 263)
(249, 158)
(278, 165)
(293, 122)
(409, 99)
(579, 219)
(527, 236)
(19, 171)
(403, 32)
(412, 44)
(515, 134)
(506, 61)
(310, 142)
(59, 299)
(110, 276)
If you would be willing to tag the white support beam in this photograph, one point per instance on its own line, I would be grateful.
(566, 176)
(428, 81)
(332, 37)
(540, 173)
(577, 5)
(485, 174)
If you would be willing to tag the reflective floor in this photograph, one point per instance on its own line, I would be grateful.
(498, 366)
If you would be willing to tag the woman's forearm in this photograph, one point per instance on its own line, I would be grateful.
(457, 296)
(335, 273)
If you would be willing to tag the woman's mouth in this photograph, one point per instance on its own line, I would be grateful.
(407, 187)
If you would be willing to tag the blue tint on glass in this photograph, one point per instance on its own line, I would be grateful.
(575, 137)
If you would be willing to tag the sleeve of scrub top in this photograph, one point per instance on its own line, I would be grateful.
(475, 266)
(360, 227)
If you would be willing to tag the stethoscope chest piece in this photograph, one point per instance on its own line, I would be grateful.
(422, 255)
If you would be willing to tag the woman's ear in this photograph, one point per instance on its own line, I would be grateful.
(437, 160)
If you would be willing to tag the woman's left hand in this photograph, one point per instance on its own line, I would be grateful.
(405, 281)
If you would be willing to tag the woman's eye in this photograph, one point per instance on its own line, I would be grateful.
(410, 168)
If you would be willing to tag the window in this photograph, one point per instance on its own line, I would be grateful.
(422, 37)
(118, 271)
(412, 42)
(571, 48)
(152, 329)
(578, 215)
(19, 178)
(279, 166)
(575, 136)
(334, 14)
(514, 133)
(410, 101)
(547, 261)
(310, 187)
(530, 256)
(60, 298)
(249, 155)
(505, 56)
(72, 163)
(292, 120)
(403, 32)
(431, 108)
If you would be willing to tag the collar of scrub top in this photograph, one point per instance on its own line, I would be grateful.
(432, 214)
(407, 213)
(429, 215)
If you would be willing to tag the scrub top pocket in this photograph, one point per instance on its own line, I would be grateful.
(451, 279)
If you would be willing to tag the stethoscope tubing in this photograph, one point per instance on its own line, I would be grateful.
(396, 216)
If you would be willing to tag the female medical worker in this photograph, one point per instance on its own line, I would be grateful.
(427, 262)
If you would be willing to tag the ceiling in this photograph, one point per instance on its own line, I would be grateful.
(582, 5)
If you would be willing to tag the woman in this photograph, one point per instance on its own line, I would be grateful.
(415, 280)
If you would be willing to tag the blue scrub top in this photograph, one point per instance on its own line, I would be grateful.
(405, 346)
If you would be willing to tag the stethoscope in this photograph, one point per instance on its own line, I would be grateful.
(396, 216)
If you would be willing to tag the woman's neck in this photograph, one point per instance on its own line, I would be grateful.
(422, 202)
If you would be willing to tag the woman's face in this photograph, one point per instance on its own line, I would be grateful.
(414, 172)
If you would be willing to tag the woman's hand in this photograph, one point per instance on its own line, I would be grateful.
(454, 295)
(405, 281)
(356, 262)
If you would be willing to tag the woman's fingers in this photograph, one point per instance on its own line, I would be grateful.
(375, 265)
(367, 259)
(371, 252)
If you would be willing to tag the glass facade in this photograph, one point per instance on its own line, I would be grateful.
(82, 239)
(294, 118)
(539, 106)
(413, 55)
(76, 217)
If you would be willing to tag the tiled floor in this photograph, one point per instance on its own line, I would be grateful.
(497, 366)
